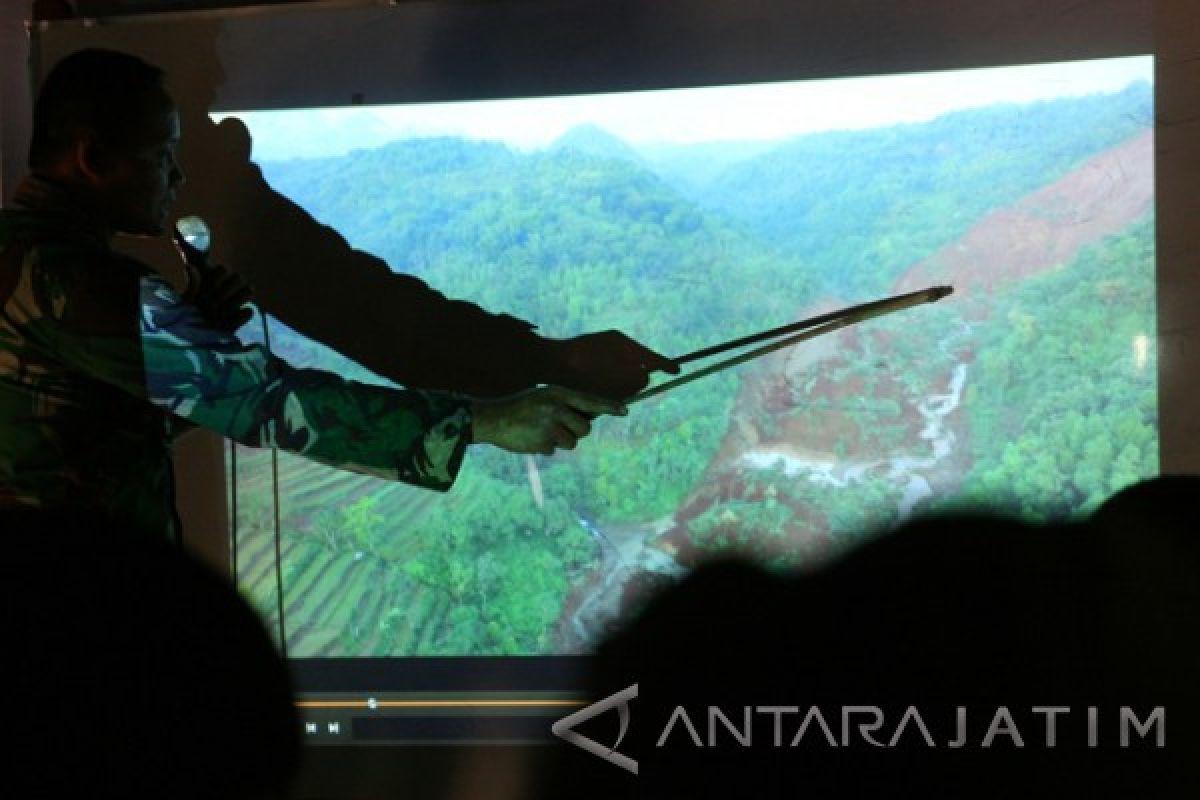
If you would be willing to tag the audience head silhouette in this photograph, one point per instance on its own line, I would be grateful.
(140, 672)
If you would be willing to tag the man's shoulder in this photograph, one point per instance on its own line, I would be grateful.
(53, 270)
(56, 242)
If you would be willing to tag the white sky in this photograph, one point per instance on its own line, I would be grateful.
(756, 111)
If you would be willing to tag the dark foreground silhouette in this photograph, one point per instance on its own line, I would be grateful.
(133, 671)
(1014, 626)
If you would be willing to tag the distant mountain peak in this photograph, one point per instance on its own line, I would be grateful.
(593, 140)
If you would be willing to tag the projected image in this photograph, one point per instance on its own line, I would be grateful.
(687, 218)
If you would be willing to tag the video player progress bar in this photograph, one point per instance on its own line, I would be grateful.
(424, 704)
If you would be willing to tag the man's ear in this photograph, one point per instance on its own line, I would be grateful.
(90, 159)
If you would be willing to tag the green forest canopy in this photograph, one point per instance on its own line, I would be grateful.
(592, 238)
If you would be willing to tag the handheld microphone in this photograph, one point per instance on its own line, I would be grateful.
(192, 239)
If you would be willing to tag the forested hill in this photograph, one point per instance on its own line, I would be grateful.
(860, 206)
(573, 241)
(587, 234)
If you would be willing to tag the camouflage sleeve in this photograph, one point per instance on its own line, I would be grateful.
(212, 379)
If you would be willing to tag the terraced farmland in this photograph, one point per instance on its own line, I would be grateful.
(374, 568)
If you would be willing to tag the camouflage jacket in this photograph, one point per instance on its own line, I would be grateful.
(100, 360)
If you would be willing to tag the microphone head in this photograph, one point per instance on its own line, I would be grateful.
(192, 235)
(193, 238)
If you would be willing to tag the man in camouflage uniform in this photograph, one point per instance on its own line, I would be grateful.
(102, 363)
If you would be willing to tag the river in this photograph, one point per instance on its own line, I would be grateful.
(626, 550)
(905, 470)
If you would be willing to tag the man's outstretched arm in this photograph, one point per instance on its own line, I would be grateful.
(177, 360)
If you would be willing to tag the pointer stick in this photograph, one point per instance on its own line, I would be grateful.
(808, 329)
(886, 305)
